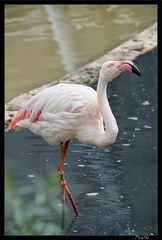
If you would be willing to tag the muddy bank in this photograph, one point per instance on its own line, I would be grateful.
(131, 49)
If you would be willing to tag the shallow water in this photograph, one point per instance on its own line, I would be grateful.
(115, 188)
(43, 42)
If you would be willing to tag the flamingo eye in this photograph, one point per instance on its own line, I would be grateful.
(111, 65)
(122, 62)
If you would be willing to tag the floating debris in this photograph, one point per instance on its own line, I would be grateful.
(107, 150)
(30, 175)
(132, 118)
(145, 126)
(118, 161)
(126, 144)
(146, 103)
(91, 194)
(137, 129)
(30, 153)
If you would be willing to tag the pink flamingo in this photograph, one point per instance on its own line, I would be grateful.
(65, 111)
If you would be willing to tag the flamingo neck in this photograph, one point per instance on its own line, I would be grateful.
(111, 129)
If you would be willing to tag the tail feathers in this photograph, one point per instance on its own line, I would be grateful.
(19, 116)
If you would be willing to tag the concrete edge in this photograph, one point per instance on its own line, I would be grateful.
(131, 49)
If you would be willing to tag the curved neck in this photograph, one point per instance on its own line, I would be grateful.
(110, 134)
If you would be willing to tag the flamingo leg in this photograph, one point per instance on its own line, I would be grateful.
(60, 173)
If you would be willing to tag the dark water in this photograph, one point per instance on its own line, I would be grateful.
(123, 176)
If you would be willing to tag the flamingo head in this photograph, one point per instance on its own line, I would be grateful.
(111, 69)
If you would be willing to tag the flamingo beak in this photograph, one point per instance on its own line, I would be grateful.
(135, 69)
(128, 66)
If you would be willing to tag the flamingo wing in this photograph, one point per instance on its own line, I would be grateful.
(57, 112)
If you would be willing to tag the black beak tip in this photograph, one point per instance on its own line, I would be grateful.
(136, 70)
(138, 73)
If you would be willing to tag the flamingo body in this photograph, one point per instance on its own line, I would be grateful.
(65, 111)
(62, 112)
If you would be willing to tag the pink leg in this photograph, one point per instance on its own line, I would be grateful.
(71, 200)
(63, 185)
